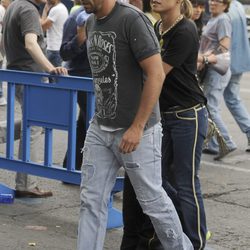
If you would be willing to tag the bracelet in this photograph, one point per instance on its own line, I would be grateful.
(205, 60)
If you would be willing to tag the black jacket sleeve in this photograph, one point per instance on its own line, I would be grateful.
(69, 47)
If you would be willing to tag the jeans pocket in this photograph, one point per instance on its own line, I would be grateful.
(186, 115)
(87, 165)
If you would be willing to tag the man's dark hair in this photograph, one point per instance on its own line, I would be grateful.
(146, 6)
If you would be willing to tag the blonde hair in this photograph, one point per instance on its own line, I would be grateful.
(186, 8)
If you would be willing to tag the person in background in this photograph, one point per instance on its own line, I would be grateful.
(53, 18)
(137, 3)
(73, 50)
(125, 131)
(216, 36)
(6, 3)
(147, 9)
(240, 63)
(24, 46)
(198, 11)
(77, 5)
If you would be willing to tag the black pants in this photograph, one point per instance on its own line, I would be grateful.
(80, 130)
(183, 137)
(139, 233)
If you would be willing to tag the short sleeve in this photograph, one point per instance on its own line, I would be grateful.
(179, 48)
(30, 22)
(2, 12)
(142, 38)
(53, 13)
(224, 28)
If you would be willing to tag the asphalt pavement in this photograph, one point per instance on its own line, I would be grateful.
(51, 223)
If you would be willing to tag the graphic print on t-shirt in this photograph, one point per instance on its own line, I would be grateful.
(102, 59)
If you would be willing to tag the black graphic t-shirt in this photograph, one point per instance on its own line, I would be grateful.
(116, 44)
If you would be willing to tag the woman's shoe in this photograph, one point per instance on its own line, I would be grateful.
(209, 151)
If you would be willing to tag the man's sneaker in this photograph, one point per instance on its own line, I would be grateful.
(248, 145)
(3, 101)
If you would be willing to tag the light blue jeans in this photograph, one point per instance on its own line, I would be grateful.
(235, 104)
(214, 86)
(54, 57)
(101, 161)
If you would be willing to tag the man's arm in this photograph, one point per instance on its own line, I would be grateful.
(152, 67)
(36, 53)
(72, 42)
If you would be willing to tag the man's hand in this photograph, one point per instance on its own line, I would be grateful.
(82, 18)
(81, 35)
(81, 29)
(131, 139)
(59, 71)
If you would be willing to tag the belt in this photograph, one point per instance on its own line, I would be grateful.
(179, 109)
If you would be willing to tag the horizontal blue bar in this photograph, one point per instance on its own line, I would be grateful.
(54, 172)
(39, 79)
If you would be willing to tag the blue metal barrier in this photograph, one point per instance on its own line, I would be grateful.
(49, 102)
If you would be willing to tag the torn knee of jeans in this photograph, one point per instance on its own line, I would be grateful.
(171, 234)
(88, 171)
(88, 167)
(131, 165)
(86, 154)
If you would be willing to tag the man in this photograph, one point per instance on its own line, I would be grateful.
(24, 46)
(53, 18)
(73, 50)
(137, 3)
(6, 3)
(240, 63)
(125, 131)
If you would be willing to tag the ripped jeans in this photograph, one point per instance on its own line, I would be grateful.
(101, 162)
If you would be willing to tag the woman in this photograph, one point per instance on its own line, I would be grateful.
(198, 11)
(147, 9)
(184, 120)
(216, 37)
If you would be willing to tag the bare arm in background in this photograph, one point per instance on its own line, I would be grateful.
(36, 53)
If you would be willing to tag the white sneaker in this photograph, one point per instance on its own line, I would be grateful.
(3, 101)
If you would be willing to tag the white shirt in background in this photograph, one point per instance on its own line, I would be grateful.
(58, 15)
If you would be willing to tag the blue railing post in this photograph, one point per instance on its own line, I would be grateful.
(26, 127)
(72, 132)
(48, 147)
(10, 121)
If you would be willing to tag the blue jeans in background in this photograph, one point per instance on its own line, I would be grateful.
(54, 57)
(214, 86)
(101, 162)
(183, 136)
(235, 104)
